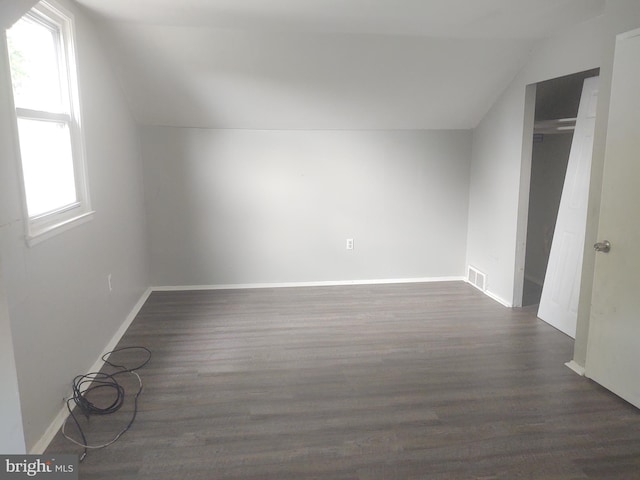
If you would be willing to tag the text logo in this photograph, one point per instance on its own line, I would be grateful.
(51, 467)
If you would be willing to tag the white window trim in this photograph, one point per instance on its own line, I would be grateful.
(44, 232)
(42, 227)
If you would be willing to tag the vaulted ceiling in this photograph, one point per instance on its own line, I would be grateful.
(323, 64)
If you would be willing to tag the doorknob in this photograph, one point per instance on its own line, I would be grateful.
(603, 247)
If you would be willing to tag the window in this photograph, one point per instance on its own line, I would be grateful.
(45, 94)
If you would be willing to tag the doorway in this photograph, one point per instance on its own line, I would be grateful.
(556, 108)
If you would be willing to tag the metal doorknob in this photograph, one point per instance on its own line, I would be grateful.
(603, 247)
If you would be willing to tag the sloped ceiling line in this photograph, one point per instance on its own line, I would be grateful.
(323, 64)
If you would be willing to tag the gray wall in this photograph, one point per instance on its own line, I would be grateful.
(12, 10)
(245, 206)
(11, 433)
(62, 313)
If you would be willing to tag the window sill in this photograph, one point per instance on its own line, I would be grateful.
(38, 234)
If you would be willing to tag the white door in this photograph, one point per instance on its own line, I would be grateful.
(613, 353)
(561, 288)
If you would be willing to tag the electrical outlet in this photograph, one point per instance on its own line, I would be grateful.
(349, 243)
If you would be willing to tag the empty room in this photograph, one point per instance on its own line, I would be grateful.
(285, 239)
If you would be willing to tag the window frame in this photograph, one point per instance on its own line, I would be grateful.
(45, 225)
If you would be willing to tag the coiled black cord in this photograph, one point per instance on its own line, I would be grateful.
(94, 381)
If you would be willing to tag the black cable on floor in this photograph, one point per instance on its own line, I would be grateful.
(94, 381)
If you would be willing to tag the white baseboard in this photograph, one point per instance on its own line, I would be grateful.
(238, 286)
(42, 444)
(576, 367)
(498, 299)
(492, 296)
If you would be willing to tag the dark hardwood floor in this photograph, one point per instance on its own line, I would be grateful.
(412, 381)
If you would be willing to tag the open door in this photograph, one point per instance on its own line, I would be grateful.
(561, 289)
(613, 351)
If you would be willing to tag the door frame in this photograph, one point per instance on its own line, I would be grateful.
(524, 191)
(593, 210)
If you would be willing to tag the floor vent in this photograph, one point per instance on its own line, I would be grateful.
(476, 278)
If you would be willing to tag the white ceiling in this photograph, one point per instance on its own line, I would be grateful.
(323, 64)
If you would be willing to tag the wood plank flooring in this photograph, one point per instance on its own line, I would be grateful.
(413, 381)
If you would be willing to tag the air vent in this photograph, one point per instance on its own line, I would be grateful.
(476, 278)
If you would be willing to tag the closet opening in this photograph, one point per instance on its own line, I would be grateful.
(556, 109)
